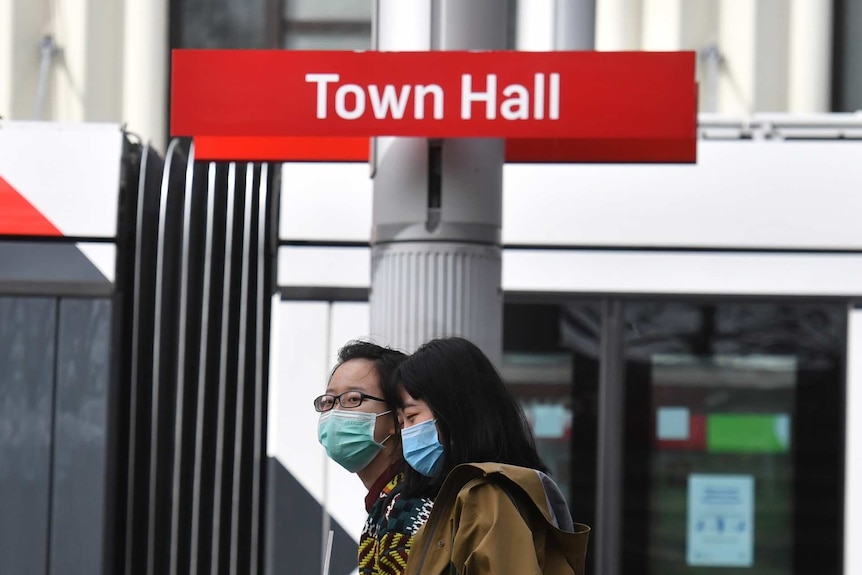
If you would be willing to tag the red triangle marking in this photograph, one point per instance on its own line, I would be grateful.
(19, 217)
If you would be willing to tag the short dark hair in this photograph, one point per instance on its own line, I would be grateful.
(385, 360)
(478, 417)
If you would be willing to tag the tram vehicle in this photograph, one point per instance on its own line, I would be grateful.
(685, 340)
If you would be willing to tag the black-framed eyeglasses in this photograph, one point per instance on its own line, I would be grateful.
(348, 400)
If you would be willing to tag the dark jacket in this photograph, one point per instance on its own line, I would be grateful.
(491, 518)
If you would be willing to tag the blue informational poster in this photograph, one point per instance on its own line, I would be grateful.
(720, 520)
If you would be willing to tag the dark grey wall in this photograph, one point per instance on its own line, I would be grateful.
(33, 268)
(54, 373)
(848, 56)
(27, 353)
(78, 490)
(294, 525)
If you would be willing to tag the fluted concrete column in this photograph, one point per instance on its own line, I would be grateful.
(753, 39)
(145, 70)
(810, 55)
(22, 28)
(439, 288)
(437, 208)
(69, 73)
(737, 41)
(87, 74)
(58, 61)
(6, 58)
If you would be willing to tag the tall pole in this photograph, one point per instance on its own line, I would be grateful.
(618, 25)
(810, 59)
(145, 67)
(575, 25)
(437, 207)
(544, 25)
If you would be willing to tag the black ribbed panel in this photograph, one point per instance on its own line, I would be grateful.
(195, 293)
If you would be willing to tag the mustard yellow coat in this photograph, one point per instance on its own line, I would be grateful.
(495, 519)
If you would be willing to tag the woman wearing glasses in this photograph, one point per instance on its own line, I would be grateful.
(358, 427)
(470, 449)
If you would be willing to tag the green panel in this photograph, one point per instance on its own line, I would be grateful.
(747, 433)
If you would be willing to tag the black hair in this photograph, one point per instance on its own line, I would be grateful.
(385, 360)
(478, 417)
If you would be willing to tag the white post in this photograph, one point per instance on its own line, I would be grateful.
(810, 55)
(853, 447)
(145, 70)
(545, 25)
(618, 25)
(403, 25)
(534, 27)
(662, 25)
(737, 42)
(753, 38)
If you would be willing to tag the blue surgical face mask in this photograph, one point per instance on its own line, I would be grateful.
(422, 448)
(348, 437)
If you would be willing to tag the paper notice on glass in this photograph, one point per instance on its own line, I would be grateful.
(720, 520)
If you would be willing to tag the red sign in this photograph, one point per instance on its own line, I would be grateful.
(568, 100)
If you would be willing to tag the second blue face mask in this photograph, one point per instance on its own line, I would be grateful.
(422, 449)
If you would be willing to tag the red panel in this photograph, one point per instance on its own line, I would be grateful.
(262, 149)
(630, 96)
(247, 148)
(601, 151)
(19, 217)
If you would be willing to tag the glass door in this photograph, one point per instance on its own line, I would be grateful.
(732, 423)
(734, 438)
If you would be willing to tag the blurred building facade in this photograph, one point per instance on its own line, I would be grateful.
(102, 60)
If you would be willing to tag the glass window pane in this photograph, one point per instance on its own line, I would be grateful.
(324, 40)
(542, 384)
(233, 24)
(328, 9)
(550, 362)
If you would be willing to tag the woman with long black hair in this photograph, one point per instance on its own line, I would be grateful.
(470, 448)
